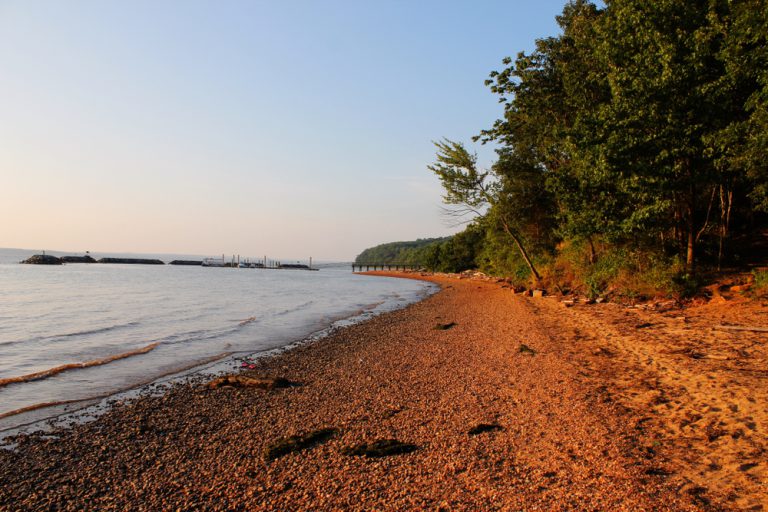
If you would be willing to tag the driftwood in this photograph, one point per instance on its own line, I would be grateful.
(739, 328)
(239, 381)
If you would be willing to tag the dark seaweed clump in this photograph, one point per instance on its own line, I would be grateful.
(286, 445)
(484, 427)
(380, 448)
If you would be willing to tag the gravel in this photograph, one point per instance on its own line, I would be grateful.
(556, 444)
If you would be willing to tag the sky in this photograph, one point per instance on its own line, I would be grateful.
(288, 128)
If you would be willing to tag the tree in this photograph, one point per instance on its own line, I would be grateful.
(550, 100)
(739, 148)
(474, 192)
(663, 71)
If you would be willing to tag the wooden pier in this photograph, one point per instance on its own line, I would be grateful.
(384, 266)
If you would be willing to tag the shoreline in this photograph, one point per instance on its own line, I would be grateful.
(68, 413)
(493, 426)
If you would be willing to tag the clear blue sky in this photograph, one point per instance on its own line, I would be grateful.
(290, 128)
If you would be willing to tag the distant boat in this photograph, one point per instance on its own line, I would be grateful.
(250, 264)
(213, 262)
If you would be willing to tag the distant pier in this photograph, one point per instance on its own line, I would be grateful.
(358, 267)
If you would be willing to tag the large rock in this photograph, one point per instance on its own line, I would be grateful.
(42, 259)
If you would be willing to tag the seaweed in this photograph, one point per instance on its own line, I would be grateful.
(380, 448)
(286, 445)
(484, 427)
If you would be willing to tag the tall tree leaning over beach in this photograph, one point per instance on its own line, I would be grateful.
(479, 193)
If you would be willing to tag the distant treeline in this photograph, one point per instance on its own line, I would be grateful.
(632, 151)
(403, 253)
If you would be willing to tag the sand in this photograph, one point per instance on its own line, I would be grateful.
(503, 402)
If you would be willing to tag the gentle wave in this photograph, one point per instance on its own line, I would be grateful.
(94, 331)
(42, 406)
(88, 332)
(189, 366)
(294, 309)
(199, 335)
(75, 366)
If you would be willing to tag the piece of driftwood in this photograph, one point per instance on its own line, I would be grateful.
(739, 328)
(240, 381)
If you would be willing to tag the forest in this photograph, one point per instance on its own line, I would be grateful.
(630, 152)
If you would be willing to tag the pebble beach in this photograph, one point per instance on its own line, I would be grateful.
(473, 404)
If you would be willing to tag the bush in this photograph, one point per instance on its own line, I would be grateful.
(760, 284)
(616, 270)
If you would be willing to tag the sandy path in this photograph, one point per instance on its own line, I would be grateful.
(563, 442)
(699, 395)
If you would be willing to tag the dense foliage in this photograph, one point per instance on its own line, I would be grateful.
(402, 253)
(631, 147)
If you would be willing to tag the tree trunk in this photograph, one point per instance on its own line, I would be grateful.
(522, 250)
(726, 201)
(691, 229)
(689, 255)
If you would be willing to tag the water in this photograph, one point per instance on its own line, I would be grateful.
(76, 332)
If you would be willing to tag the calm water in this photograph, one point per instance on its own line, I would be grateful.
(160, 320)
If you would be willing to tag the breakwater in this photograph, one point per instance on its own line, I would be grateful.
(47, 259)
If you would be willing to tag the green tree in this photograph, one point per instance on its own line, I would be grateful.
(550, 100)
(475, 192)
(663, 71)
(739, 148)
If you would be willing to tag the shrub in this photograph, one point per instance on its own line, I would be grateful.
(760, 284)
(616, 270)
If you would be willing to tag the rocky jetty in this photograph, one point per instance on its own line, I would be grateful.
(43, 259)
(186, 262)
(137, 261)
(77, 259)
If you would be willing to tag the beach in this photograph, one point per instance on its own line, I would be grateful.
(500, 401)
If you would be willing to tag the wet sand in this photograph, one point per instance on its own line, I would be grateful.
(504, 406)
